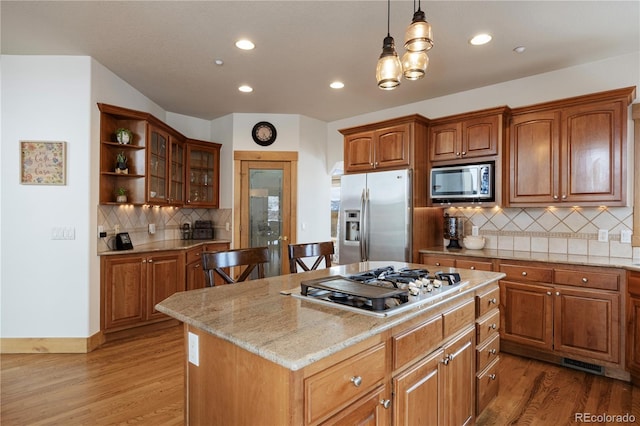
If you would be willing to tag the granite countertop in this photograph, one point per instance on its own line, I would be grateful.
(294, 333)
(162, 245)
(573, 259)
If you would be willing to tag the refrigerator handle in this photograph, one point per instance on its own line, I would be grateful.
(363, 229)
(365, 220)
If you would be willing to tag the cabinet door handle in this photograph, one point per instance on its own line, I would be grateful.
(585, 280)
(437, 263)
(493, 300)
(564, 196)
(492, 376)
(493, 351)
(557, 293)
(555, 197)
(464, 153)
(473, 268)
(524, 273)
(548, 293)
(150, 260)
(356, 380)
(144, 260)
(457, 154)
(493, 326)
(386, 403)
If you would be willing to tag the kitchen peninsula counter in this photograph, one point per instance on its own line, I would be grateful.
(294, 333)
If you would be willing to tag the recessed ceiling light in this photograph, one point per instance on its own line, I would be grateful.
(519, 49)
(219, 62)
(246, 89)
(245, 44)
(480, 39)
(337, 85)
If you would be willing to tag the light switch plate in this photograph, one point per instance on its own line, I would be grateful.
(625, 236)
(603, 235)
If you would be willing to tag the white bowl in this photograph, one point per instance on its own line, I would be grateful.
(473, 243)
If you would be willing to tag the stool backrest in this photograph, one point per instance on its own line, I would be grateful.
(252, 258)
(297, 252)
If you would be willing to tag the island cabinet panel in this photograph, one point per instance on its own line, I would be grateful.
(633, 326)
(570, 151)
(132, 284)
(552, 312)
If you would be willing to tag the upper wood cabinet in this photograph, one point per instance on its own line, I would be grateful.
(392, 144)
(160, 162)
(570, 151)
(465, 137)
(203, 174)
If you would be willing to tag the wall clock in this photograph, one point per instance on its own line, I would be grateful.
(264, 133)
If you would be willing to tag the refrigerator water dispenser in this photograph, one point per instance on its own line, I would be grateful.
(352, 218)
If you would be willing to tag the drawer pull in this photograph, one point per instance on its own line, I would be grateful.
(386, 403)
(585, 280)
(493, 351)
(493, 301)
(357, 381)
(437, 263)
(493, 326)
(473, 268)
(548, 293)
(446, 359)
(492, 376)
(524, 273)
(557, 293)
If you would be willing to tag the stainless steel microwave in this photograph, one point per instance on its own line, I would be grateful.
(463, 183)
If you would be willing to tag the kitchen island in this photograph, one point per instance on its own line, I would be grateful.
(256, 355)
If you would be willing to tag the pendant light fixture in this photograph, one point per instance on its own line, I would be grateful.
(418, 37)
(389, 69)
(414, 65)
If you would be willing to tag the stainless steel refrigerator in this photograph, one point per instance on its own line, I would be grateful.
(375, 217)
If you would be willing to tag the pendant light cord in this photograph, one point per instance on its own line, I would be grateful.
(389, 18)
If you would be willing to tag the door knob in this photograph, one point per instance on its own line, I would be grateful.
(283, 238)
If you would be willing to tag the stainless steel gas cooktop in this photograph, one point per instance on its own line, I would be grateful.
(379, 292)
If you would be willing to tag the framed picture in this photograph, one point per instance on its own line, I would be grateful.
(43, 163)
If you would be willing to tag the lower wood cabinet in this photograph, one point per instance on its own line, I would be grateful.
(132, 284)
(633, 326)
(194, 272)
(563, 311)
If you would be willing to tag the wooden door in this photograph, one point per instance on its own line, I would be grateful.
(592, 154)
(271, 231)
(165, 276)
(587, 323)
(534, 150)
(416, 391)
(459, 380)
(359, 152)
(392, 147)
(526, 314)
(123, 295)
(445, 141)
(480, 136)
(367, 411)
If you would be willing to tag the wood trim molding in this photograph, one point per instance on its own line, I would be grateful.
(635, 114)
(57, 345)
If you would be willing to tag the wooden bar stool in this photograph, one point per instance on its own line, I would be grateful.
(252, 258)
(297, 252)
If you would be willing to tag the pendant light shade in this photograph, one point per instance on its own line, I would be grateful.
(414, 65)
(418, 36)
(389, 69)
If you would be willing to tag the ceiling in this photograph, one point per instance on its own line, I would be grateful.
(166, 49)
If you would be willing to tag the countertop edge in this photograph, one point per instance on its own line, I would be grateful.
(164, 245)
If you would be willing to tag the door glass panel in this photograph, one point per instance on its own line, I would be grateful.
(158, 166)
(177, 172)
(201, 176)
(265, 215)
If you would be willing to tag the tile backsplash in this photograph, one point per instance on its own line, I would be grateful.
(168, 221)
(571, 230)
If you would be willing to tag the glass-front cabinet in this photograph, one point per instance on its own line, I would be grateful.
(203, 173)
(157, 165)
(176, 171)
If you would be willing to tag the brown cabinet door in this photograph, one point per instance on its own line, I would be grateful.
(176, 172)
(633, 324)
(592, 153)
(587, 323)
(368, 411)
(123, 285)
(359, 152)
(157, 166)
(195, 276)
(203, 174)
(416, 393)
(391, 147)
(534, 166)
(445, 141)
(165, 276)
(458, 380)
(480, 136)
(526, 314)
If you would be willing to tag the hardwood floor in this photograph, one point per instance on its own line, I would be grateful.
(140, 381)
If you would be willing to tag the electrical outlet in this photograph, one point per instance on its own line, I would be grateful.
(474, 231)
(625, 236)
(603, 235)
(194, 349)
(152, 228)
(116, 229)
(101, 231)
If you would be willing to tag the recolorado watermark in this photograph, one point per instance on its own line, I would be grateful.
(603, 418)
